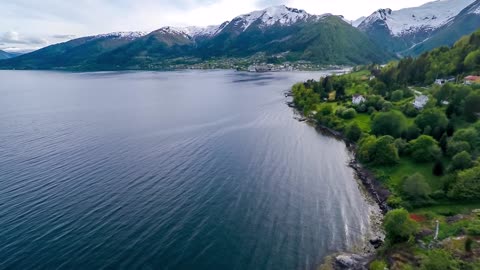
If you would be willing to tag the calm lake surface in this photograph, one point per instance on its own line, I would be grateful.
(174, 170)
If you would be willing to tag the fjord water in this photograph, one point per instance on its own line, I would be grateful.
(173, 170)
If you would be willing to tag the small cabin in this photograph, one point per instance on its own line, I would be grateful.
(358, 99)
(469, 80)
(444, 81)
(420, 102)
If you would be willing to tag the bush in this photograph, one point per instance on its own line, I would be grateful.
(467, 185)
(412, 132)
(371, 110)
(349, 114)
(385, 152)
(469, 135)
(353, 132)
(397, 95)
(424, 149)
(390, 123)
(473, 228)
(432, 118)
(402, 146)
(399, 227)
(409, 110)
(378, 265)
(462, 161)
(326, 110)
(455, 147)
(439, 260)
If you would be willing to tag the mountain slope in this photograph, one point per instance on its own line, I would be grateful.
(399, 30)
(5, 55)
(282, 32)
(72, 53)
(465, 23)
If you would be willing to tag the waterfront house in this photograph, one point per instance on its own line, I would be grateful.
(469, 80)
(420, 102)
(358, 99)
(444, 81)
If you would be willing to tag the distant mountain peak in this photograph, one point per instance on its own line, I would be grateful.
(281, 15)
(123, 35)
(427, 17)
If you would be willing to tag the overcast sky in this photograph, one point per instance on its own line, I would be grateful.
(32, 24)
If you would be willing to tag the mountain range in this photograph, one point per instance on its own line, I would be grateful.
(7, 55)
(412, 31)
(276, 34)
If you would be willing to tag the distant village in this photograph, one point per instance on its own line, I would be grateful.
(421, 99)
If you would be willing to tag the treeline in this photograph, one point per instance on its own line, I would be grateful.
(463, 58)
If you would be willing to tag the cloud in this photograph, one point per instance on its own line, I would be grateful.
(63, 36)
(13, 37)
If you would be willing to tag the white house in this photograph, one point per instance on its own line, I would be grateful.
(358, 99)
(420, 102)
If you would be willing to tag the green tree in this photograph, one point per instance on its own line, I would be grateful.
(432, 118)
(424, 149)
(455, 147)
(366, 148)
(412, 132)
(397, 95)
(399, 226)
(389, 123)
(353, 132)
(349, 114)
(385, 152)
(467, 185)
(462, 161)
(469, 135)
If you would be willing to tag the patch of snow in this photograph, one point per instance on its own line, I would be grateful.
(358, 21)
(277, 14)
(194, 31)
(429, 16)
(123, 35)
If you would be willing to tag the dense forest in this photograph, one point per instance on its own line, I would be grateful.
(416, 126)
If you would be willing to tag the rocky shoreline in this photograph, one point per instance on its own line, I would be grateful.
(375, 191)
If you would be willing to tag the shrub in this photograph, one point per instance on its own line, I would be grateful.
(424, 149)
(399, 227)
(439, 260)
(326, 110)
(462, 161)
(467, 185)
(397, 95)
(473, 228)
(349, 114)
(390, 123)
(378, 265)
(455, 147)
(412, 132)
(353, 132)
(432, 118)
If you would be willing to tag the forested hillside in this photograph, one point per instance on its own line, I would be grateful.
(422, 142)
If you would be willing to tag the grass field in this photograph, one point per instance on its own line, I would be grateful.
(408, 167)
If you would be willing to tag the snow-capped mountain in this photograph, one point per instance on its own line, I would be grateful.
(281, 15)
(123, 35)
(427, 17)
(399, 30)
(465, 23)
(278, 32)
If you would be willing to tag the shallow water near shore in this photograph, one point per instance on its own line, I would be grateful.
(169, 170)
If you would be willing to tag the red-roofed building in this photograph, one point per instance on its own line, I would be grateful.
(469, 80)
